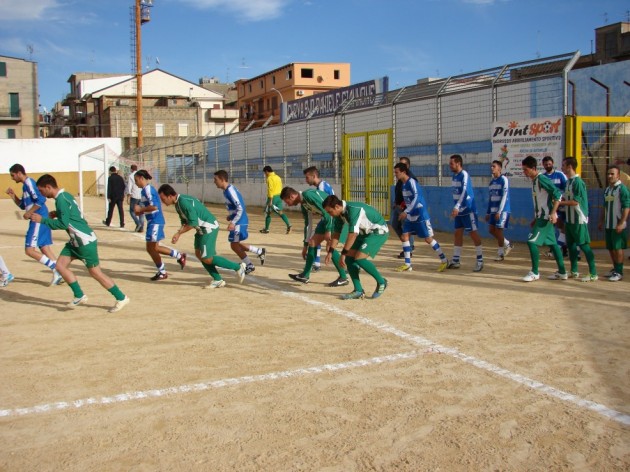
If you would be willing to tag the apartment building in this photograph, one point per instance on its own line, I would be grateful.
(104, 105)
(260, 99)
(19, 99)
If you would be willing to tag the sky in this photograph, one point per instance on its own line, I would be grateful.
(405, 40)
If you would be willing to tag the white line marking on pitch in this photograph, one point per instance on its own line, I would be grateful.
(481, 364)
(199, 387)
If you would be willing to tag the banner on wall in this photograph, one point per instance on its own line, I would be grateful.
(514, 140)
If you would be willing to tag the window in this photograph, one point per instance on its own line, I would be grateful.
(159, 130)
(183, 129)
(337, 74)
(306, 73)
(10, 133)
(3, 69)
(273, 79)
(134, 129)
(262, 84)
(289, 74)
(249, 86)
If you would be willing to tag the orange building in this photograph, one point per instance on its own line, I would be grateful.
(260, 99)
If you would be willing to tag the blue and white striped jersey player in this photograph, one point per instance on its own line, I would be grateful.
(238, 222)
(498, 214)
(311, 176)
(151, 207)
(415, 218)
(38, 236)
(560, 181)
(464, 213)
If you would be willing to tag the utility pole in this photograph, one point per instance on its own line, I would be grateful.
(143, 15)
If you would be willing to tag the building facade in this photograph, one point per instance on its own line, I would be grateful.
(19, 99)
(104, 105)
(260, 99)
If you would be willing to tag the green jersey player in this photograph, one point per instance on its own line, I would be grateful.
(195, 216)
(82, 244)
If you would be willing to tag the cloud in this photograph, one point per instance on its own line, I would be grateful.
(15, 46)
(12, 10)
(249, 10)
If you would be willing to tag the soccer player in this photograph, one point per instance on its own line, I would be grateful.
(194, 215)
(151, 208)
(614, 221)
(311, 176)
(82, 245)
(560, 181)
(498, 214)
(367, 232)
(238, 222)
(6, 276)
(318, 226)
(133, 198)
(274, 203)
(37, 236)
(464, 212)
(546, 201)
(576, 227)
(398, 206)
(415, 218)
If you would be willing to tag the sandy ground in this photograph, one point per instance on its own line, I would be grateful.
(451, 371)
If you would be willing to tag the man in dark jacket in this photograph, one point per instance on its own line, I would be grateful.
(115, 196)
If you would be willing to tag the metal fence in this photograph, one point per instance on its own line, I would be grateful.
(429, 120)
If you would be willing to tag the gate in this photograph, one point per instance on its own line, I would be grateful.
(597, 142)
(367, 168)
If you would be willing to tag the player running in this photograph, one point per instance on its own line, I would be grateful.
(151, 208)
(238, 222)
(194, 215)
(37, 236)
(311, 176)
(415, 219)
(82, 245)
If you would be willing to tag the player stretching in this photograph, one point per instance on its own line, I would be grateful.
(464, 212)
(37, 236)
(82, 244)
(317, 228)
(498, 214)
(311, 176)
(415, 218)
(194, 215)
(151, 208)
(238, 222)
(367, 232)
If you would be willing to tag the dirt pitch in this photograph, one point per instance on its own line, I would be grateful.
(451, 371)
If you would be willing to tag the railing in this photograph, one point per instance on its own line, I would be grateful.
(10, 114)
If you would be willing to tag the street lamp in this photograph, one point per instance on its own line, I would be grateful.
(278, 92)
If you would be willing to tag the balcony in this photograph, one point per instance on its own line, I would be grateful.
(10, 115)
(222, 114)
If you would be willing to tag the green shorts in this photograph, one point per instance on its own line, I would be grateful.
(275, 206)
(370, 244)
(543, 233)
(88, 254)
(616, 241)
(207, 244)
(577, 234)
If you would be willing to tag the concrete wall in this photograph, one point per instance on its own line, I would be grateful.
(59, 157)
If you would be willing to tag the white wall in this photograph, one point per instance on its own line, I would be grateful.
(53, 154)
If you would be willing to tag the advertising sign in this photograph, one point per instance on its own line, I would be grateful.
(326, 103)
(514, 140)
